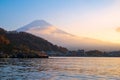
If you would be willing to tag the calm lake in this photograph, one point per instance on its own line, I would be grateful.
(60, 68)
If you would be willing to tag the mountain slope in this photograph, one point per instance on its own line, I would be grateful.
(51, 33)
(26, 42)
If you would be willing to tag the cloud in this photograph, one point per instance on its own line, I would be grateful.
(118, 29)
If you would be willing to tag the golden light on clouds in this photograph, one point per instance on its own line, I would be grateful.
(118, 29)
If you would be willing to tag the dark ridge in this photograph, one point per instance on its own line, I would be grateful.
(18, 43)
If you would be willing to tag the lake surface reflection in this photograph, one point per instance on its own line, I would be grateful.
(71, 68)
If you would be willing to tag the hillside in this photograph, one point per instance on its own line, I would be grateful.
(12, 42)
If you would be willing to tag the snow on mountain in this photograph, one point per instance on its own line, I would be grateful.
(59, 37)
(34, 24)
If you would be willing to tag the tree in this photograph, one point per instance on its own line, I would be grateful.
(4, 40)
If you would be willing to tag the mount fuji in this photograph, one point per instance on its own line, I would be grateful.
(59, 37)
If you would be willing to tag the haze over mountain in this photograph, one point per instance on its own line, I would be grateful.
(51, 33)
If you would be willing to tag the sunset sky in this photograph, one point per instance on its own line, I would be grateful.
(98, 19)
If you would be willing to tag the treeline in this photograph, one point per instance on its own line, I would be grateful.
(22, 44)
(93, 53)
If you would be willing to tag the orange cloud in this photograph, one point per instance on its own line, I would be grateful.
(118, 29)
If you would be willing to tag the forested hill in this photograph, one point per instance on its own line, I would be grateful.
(26, 41)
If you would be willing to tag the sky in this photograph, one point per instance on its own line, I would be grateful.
(98, 19)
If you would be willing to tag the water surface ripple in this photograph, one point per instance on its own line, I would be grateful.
(54, 68)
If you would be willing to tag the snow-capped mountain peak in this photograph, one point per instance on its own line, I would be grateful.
(35, 24)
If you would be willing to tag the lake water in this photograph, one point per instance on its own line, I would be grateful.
(71, 68)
